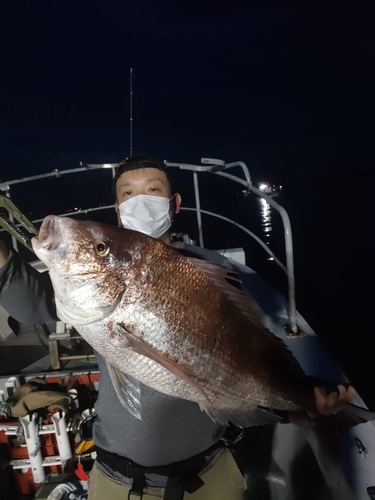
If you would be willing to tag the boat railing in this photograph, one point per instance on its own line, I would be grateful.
(211, 166)
(219, 167)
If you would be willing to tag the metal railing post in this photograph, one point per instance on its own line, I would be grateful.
(198, 205)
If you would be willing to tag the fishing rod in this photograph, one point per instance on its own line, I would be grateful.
(8, 212)
(131, 113)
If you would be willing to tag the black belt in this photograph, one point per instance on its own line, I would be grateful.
(182, 476)
(126, 466)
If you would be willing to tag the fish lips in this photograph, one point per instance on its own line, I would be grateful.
(49, 238)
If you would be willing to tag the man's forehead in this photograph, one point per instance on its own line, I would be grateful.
(142, 174)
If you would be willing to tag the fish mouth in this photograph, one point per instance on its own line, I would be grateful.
(49, 237)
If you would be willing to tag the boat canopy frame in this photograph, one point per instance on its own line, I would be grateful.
(211, 166)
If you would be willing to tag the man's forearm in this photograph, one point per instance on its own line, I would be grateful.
(26, 294)
(4, 253)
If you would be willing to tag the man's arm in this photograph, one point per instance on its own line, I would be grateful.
(4, 253)
(25, 294)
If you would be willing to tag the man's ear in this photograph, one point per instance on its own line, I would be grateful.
(118, 214)
(178, 200)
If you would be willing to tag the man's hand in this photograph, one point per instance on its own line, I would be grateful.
(326, 404)
(4, 253)
(333, 402)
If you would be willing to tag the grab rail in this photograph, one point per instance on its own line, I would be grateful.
(212, 166)
(217, 167)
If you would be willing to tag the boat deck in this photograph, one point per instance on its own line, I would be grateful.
(24, 354)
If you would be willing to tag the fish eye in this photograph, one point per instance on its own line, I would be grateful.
(101, 248)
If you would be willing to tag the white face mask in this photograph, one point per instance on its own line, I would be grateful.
(147, 214)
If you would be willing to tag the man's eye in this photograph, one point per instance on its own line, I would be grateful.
(154, 189)
(127, 193)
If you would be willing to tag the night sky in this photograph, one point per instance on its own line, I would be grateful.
(289, 90)
(287, 87)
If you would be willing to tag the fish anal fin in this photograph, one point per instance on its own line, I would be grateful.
(145, 349)
(241, 418)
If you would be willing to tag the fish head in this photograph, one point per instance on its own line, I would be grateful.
(87, 262)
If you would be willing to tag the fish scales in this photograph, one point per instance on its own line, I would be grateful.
(225, 338)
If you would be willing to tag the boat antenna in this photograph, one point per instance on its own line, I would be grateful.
(131, 113)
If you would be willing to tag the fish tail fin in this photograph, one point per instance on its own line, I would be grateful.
(358, 414)
(349, 416)
(329, 429)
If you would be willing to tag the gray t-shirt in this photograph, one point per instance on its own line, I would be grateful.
(171, 429)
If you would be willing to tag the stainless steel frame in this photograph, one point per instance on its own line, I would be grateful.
(211, 166)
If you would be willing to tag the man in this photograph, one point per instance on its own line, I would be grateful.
(171, 430)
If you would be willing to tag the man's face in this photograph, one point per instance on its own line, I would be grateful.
(150, 181)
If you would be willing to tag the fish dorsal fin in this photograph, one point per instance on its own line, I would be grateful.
(128, 390)
(219, 276)
(142, 347)
(209, 268)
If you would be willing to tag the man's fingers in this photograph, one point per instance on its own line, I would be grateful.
(342, 393)
(325, 403)
(334, 401)
(350, 393)
(320, 398)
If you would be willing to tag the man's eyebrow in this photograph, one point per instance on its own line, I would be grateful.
(130, 183)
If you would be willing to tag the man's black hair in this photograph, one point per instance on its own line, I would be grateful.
(137, 162)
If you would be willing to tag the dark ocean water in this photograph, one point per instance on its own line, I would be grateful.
(334, 255)
(333, 225)
(334, 248)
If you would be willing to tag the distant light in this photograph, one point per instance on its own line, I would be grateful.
(107, 165)
(262, 187)
(270, 258)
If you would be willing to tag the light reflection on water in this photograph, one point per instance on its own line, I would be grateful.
(266, 218)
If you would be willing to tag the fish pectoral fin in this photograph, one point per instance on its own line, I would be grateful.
(145, 349)
(241, 418)
(128, 390)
